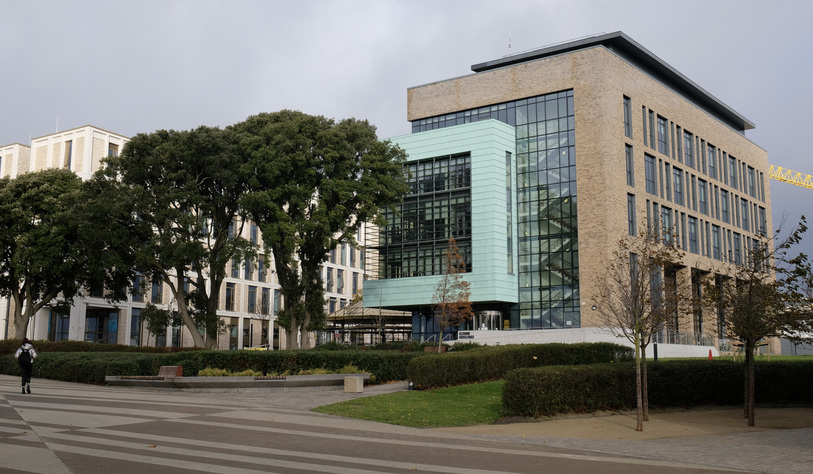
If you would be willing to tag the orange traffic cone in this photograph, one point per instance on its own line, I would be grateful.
(710, 358)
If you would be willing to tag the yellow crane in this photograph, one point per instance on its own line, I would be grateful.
(793, 177)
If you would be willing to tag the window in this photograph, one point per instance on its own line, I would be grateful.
(277, 301)
(248, 272)
(677, 181)
(627, 117)
(744, 213)
(230, 290)
(692, 234)
(343, 254)
(235, 268)
(631, 227)
(643, 113)
(725, 216)
(157, 294)
(630, 166)
(339, 281)
(509, 215)
(355, 283)
(252, 299)
(732, 172)
(101, 325)
(715, 242)
(265, 302)
(678, 142)
(763, 222)
(702, 196)
(352, 251)
(135, 327)
(333, 255)
(651, 175)
(688, 154)
(712, 160)
(752, 186)
(667, 181)
(254, 233)
(261, 271)
(112, 150)
(737, 249)
(138, 288)
(666, 224)
(68, 154)
(652, 130)
(663, 136)
(329, 279)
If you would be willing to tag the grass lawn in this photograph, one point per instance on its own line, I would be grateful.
(474, 404)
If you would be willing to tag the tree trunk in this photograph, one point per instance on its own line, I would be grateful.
(20, 321)
(749, 388)
(644, 384)
(305, 341)
(639, 400)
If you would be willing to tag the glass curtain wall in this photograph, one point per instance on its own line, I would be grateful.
(546, 203)
(437, 207)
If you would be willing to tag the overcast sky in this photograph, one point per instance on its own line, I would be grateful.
(140, 66)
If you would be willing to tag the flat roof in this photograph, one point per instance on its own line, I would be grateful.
(624, 46)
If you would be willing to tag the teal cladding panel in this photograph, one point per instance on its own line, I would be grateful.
(487, 142)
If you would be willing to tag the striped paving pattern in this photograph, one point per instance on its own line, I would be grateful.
(64, 427)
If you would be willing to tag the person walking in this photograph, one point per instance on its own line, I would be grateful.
(25, 355)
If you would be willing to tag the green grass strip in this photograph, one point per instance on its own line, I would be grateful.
(474, 404)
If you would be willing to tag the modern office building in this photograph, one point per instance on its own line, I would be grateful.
(250, 297)
(539, 163)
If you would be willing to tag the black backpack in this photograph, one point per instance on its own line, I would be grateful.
(25, 357)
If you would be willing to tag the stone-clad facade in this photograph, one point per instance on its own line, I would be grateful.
(629, 108)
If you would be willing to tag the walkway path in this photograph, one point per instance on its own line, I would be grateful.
(73, 428)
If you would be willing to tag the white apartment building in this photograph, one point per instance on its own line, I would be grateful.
(250, 296)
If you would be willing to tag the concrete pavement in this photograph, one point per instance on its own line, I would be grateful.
(73, 428)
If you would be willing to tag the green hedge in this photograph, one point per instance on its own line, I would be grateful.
(492, 362)
(92, 367)
(9, 346)
(546, 391)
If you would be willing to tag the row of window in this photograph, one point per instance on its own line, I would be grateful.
(694, 152)
(691, 233)
(685, 189)
(335, 281)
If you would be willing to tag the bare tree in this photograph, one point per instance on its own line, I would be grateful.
(638, 295)
(451, 298)
(769, 295)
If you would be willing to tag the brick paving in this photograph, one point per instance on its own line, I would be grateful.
(66, 427)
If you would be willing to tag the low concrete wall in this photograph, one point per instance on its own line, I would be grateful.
(573, 336)
(286, 384)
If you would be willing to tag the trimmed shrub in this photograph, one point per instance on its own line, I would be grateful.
(492, 362)
(91, 367)
(546, 391)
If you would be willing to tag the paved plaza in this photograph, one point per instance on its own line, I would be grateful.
(73, 428)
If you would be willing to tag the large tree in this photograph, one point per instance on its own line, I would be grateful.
(451, 299)
(638, 294)
(50, 253)
(314, 182)
(769, 295)
(184, 189)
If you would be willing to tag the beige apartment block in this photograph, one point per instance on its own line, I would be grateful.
(651, 147)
